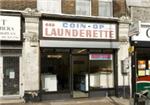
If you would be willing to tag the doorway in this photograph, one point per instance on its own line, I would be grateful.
(80, 76)
(11, 75)
(55, 73)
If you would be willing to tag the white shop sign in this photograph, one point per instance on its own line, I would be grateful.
(78, 30)
(144, 33)
(10, 28)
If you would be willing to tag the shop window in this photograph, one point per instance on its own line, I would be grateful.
(101, 71)
(105, 8)
(79, 51)
(55, 70)
(62, 50)
(143, 62)
(83, 7)
(51, 6)
(143, 69)
(101, 51)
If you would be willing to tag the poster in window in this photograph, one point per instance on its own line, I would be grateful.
(100, 57)
(12, 75)
(148, 64)
(147, 72)
(141, 64)
(141, 72)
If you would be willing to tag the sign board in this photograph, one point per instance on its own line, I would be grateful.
(78, 30)
(10, 28)
(143, 83)
(143, 76)
(125, 65)
(134, 29)
(144, 33)
(100, 57)
(131, 49)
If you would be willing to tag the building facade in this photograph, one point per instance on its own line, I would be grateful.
(139, 39)
(66, 51)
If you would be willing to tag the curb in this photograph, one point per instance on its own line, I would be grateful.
(7, 101)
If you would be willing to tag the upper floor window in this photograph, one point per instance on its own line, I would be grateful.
(105, 8)
(83, 7)
(51, 6)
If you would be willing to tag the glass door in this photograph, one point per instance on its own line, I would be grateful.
(11, 76)
(80, 77)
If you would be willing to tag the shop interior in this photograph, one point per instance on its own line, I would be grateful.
(143, 62)
(76, 71)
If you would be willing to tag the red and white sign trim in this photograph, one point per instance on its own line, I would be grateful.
(79, 30)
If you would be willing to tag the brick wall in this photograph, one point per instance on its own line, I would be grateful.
(68, 6)
(119, 8)
(17, 4)
(94, 7)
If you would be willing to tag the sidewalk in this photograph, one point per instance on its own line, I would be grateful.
(94, 101)
(87, 101)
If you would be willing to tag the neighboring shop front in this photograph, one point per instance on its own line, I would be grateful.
(78, 57)
(10, 54)
(141, 58)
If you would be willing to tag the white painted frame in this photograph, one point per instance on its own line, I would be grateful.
(44, 5)
(83, 7)
(111, 7)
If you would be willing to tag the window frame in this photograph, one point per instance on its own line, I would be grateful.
(111, 9)
(46, 9)
(90, 8)
(107, 74)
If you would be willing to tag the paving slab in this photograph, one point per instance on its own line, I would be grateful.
(87, 101)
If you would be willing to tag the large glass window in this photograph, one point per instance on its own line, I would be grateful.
(143, 62)
(83, 7)
(63, 70)
(105, 8)
(101, 70)
(143, 69)
(51, 6)
(55, 70)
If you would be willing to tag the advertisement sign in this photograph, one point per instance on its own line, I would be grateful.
(143, 83)
(134, 28)
(100, 57)
(143, 77)
(141, 64)
(125, 65)
(144, 33)
(10, 28)
(78, 30)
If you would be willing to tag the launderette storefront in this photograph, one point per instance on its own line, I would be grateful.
(77, 58)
